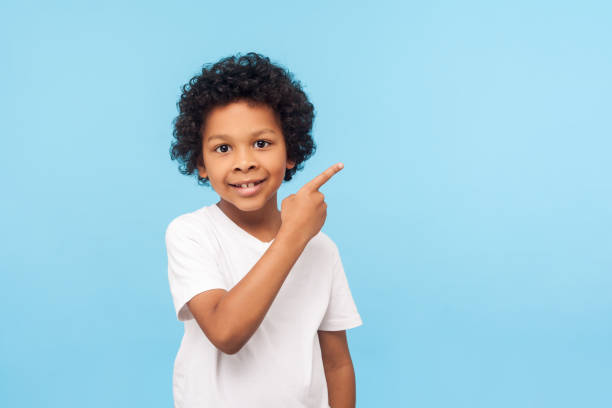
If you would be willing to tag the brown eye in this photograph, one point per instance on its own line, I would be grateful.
(264, 141)
(219, 147)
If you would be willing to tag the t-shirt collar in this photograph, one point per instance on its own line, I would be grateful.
(229, 223)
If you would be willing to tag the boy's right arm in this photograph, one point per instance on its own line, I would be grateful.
(229, 318)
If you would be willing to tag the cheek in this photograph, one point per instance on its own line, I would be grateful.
(280, 170)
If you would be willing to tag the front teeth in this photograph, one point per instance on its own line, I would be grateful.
(247, 185)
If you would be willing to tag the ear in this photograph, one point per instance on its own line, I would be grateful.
(290, 164)
(202, 171)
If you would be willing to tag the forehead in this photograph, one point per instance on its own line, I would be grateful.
(239, 119)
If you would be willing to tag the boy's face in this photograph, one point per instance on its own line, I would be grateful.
(242, 142)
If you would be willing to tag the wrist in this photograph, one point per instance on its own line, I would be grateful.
(292, 235)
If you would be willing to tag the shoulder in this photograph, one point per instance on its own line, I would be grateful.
(323, 244)
(193, 224)
(179, 224)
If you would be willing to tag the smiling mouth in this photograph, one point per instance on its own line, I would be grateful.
(248, 185)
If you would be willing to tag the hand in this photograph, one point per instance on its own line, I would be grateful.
(304, 213)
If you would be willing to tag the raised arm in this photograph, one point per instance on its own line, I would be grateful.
(229, 318)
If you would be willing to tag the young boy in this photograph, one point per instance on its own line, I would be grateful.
(262, 293)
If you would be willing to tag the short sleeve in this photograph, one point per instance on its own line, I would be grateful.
(192, 266)
(341, 311)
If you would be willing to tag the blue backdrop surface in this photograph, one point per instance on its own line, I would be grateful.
(473, 215)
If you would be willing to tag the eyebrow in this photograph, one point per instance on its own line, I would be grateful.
(256, 133)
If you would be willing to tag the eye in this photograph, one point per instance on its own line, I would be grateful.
(219, 147)
(260, 140)
(264, 141)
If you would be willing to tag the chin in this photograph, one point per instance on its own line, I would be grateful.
(247, 204)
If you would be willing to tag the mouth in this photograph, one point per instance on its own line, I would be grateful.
(251, 189)
(248, 185)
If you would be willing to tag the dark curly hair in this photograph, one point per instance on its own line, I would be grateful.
(253, 78)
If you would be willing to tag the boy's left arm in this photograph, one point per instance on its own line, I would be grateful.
(338, 367)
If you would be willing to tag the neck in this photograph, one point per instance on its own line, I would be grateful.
(265, 218)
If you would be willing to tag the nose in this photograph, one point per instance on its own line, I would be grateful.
(245, 160)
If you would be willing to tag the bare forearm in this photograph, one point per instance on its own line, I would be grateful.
(341, 386)
(244, 307)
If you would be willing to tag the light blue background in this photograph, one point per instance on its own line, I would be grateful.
(473, 215)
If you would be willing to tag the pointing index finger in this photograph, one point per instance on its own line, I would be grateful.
(322, 178)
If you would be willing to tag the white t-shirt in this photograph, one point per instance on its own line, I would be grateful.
(280, 365)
